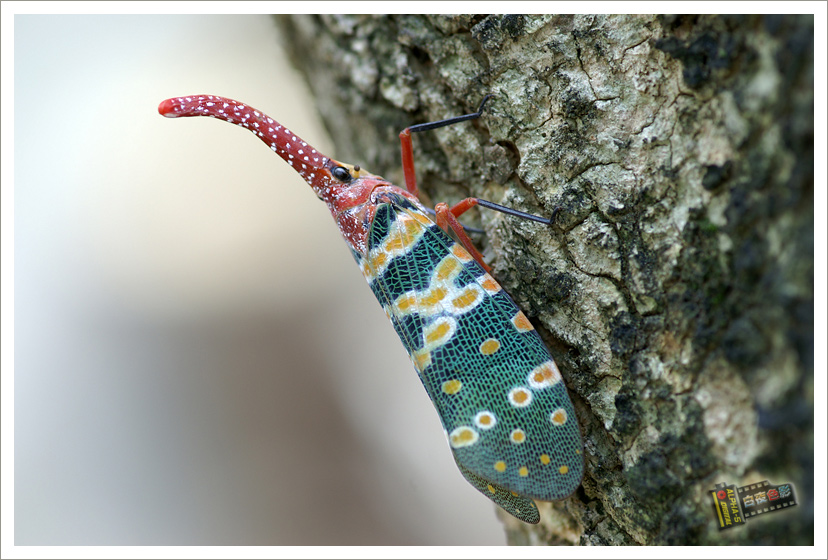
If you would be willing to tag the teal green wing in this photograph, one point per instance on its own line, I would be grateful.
(499, 394)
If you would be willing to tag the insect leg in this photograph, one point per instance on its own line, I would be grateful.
(447, 218)
(512, 212)
(408, 151)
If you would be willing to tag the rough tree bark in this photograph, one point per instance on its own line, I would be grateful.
(676, 288)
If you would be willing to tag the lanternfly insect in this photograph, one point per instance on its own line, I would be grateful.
(509, 421)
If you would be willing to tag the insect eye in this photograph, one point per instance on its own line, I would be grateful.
(341, 174)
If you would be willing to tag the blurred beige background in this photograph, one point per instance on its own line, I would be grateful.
(198, 360)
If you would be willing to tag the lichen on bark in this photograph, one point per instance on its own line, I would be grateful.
(676, 287)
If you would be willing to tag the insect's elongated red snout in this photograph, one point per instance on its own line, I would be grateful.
(309, 163)
(345, 188)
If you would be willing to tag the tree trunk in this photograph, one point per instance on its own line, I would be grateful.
(675, 288)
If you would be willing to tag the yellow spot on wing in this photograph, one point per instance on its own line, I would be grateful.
(433, 297)
(434, 335)
(405, 304)
(467, 299)
(458, 251)
(520, 396)
(422, 218)
(485, 419)
(500, 466)
(564, 469)
(462, 437)
(489, 284)
(437, 331)
(452, 386)
(489, 347)
(395, 244)
(517, 436)
(380, 260)
(521, 322)
(559, 417)
(412, 229)
(545, 375)
(447, 269)
(523, 471)
(422, 359)
(545, 459)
